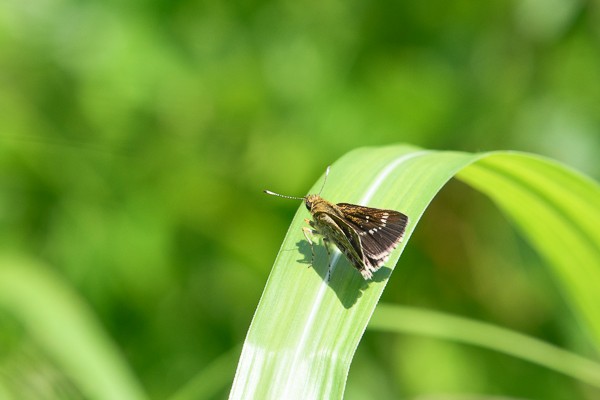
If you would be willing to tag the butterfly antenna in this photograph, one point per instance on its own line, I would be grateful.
(325, 179)
(284, 196)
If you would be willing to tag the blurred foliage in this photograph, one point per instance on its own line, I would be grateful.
(135, 139)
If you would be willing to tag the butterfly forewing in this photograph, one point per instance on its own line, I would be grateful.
(379, 230)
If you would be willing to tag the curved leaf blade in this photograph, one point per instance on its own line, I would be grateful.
(305, 330)
(558, 210)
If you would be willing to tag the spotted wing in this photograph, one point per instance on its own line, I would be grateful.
(380, 231)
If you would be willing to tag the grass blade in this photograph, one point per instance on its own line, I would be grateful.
(558, 210)
(305, 330)
(63, 326)
(393, 318)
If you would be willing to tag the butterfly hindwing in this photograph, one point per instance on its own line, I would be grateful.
(343, 236)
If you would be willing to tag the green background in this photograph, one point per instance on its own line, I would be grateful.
(136, 139)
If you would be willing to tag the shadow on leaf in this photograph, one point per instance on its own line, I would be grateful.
(346, 282)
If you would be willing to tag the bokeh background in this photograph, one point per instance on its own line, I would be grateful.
(136, 138)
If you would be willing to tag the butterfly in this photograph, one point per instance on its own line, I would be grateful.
(365, 235)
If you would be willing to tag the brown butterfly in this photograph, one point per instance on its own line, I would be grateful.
(365, 235)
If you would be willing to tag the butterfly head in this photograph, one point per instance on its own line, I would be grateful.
(311, 200)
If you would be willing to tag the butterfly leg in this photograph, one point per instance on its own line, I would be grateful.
(326, 242)
(308, 234)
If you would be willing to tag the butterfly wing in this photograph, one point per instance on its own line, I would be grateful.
(380, 231)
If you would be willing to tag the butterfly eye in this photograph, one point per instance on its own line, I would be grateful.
(308, 204)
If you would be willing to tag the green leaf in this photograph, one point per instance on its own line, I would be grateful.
(307, 327)
(393, 318)
(66, 329)
(558, 210)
